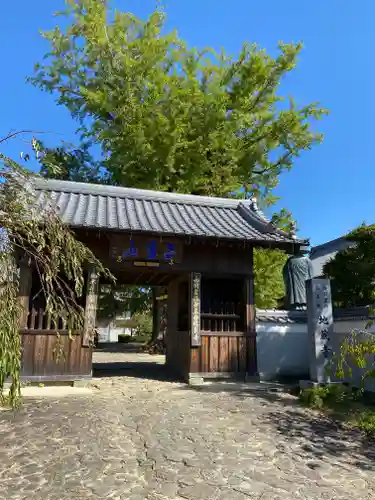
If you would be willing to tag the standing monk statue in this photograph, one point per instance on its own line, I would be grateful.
(296, 271)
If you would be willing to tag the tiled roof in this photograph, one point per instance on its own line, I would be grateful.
(286, 317)
(125, 209)
(280, 316)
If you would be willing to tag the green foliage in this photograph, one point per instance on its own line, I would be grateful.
(123, 338)
(366, 422)
(143, 330)
(170, 117)
(117, 300)
(357, 350)
(70, 164)
(326, 396)
(268, 284)
(343, 403)
(41, 240)
(352, 271)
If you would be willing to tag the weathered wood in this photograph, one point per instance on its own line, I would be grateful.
(233, 354)
(39, 360)
(242, 354)
(252, 368)
(214, 355)
(90, 309)
(195, 309)
(25, 282)
(195, 360)
(223, 354)
(207, 333)
(250, 328)
(40, 319)
(28, 331)
(33, 319)
(196, 257)
(143, 248)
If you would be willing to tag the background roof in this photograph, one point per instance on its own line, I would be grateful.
(322, 254)
(125, 209)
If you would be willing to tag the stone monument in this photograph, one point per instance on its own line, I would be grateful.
(320, 328)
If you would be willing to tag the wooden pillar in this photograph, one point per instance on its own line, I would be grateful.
(155, 314)
(158, 303)
(25, 281)
(250, 329)
(90, 308)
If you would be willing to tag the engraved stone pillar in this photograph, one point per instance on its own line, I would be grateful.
(320, 328)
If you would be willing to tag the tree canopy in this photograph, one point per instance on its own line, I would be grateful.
(171, 117)
(352, 271)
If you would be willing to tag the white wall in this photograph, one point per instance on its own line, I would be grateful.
(110, 333)
(284, 349)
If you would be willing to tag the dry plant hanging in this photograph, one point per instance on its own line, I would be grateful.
(39, 237)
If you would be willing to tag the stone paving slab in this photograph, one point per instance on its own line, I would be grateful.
(144, 439)
(53, 391)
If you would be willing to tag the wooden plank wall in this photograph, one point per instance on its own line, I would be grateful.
(220, 353)
(39, 356)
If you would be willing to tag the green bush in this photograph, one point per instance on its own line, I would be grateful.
(143, 329)
(366, 422)
(123, 338)
(327, 396)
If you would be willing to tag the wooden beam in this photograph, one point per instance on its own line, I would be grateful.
(24, 290)
(250, 329)
(91, 305)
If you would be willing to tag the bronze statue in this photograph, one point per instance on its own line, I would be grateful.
(297, 270)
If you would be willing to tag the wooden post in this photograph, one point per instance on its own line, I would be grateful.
(25, 281)
(250, 329)
(90, 309)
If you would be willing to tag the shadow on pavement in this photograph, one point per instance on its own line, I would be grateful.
(322, 437)
(138, 369)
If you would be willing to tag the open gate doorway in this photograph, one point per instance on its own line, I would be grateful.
(200, 248)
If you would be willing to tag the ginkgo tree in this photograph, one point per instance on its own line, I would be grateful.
(170, 117)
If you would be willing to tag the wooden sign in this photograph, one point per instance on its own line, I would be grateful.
(90, 309)
(195, 295)
(138, 249)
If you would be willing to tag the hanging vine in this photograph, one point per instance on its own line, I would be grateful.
(40, 238)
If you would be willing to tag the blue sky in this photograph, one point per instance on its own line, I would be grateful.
(330, 189)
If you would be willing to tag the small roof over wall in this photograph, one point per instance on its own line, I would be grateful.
(105, 207)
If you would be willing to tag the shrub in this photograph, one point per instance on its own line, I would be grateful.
(326, 396)
(366, 422)
(123, 338)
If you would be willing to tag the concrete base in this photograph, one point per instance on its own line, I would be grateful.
(52, 392)
(195, 379)
(81, 383)
(310, 384)
(252, 378)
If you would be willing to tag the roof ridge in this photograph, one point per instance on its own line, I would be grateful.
(135, 193)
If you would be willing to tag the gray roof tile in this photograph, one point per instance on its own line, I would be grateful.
(109, 207)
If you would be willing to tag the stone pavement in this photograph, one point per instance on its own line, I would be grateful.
(154, 439)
